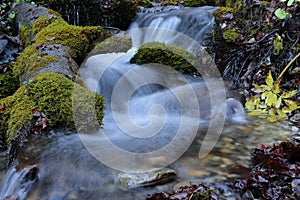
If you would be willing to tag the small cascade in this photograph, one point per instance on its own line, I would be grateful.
(196, 23)
(17, 182)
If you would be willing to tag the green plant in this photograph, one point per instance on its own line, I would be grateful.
(281, 13)
(271, 100)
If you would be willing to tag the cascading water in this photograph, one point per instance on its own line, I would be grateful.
(22, 181)
(148, 108)
(196, 23)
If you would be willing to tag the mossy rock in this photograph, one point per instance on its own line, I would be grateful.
(8, 82)
(170, 55)
(79, 39)
(28, 31)
(46, 20)
(114, 44)
(53, 95)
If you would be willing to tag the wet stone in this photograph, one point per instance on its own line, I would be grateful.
(132, 180)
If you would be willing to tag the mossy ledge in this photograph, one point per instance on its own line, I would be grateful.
(61, 100)
(170, 55)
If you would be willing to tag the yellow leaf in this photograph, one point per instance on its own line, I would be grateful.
(282, 115)
(271, 99)
(278, 103)
(256, 112)
(288, 94)
(261, 88)
(262, 106)
(269, 80)
(272, 111)
(252, 103)
(249, 105)
(276, 88)
(291, 104)
(272, 118)
(263, 95)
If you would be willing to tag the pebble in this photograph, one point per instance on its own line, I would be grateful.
(198, 173)
(227, 161)
(226, 139)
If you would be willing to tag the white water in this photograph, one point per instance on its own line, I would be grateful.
(196, 23)
(21, 182)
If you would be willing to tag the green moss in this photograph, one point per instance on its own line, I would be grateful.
(193, 3)
(113, 44)
(8, 82)
(79, 39)
(144, 3)
(230, 35)
(220, 12)
(25, 35)
(17, 114)
(278, 45)
(52, 29)
(32, 60)
(45, 21)
(265, 4)
(53, 95)
(170, 55)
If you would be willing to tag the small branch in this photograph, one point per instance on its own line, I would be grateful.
(284, 70)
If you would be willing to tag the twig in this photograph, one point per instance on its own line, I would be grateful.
(284, 70)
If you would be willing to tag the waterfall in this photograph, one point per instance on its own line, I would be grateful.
(17, 182)
(196, 23)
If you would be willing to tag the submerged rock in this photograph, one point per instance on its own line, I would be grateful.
(132, 180)
(233, 109)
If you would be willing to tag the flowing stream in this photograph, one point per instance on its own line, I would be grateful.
(155, 117)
